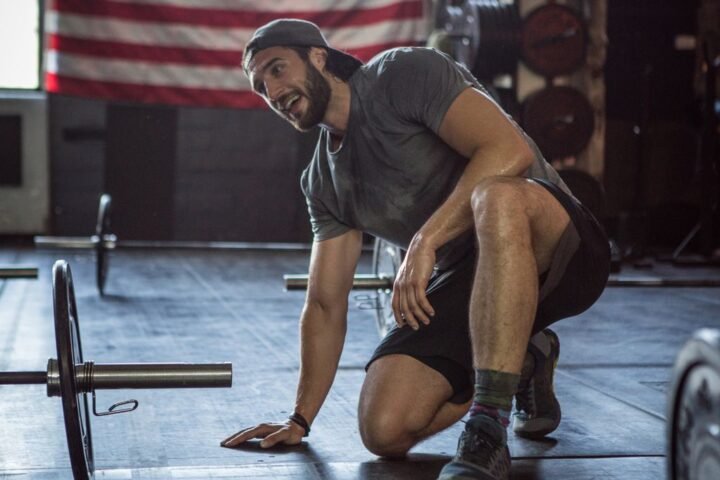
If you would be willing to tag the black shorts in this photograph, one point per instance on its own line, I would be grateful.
(576, 278)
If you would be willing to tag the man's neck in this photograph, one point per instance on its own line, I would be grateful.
(338, 111)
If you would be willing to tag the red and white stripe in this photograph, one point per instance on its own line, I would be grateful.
(188, 52)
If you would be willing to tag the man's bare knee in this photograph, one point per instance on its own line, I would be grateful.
(497, 192)
(520, 213)
(499, 205)
(399, 402)
(385, 434)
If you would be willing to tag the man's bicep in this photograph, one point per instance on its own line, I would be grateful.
(474, 122)
(332, 267)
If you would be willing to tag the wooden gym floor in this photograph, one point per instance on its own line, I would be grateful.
(209, 306)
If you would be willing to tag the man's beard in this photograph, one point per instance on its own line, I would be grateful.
(318, 94)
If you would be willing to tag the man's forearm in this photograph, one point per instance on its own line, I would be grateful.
(322, 335)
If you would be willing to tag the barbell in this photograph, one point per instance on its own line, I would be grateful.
(388, 257)
(102, 242)
(72, 378)
(7, 273)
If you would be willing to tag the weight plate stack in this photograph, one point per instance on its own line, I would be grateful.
(458, 23)
(499, 47)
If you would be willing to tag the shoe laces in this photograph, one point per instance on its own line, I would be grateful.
(479, 448)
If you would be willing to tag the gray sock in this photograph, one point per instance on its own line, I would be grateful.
(495, 389)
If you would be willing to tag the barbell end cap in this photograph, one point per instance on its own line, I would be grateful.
(53, 378)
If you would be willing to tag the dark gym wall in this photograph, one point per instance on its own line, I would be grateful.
(141, 143)
(652, 112)
(76, 130)
(230, 175)
(238, 177)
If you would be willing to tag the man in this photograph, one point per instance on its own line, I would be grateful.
(414, 151)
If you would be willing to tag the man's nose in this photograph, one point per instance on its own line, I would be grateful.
(273, 90)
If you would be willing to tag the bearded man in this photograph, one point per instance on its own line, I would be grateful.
(413, 150)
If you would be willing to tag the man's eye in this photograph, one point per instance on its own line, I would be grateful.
(276, 69)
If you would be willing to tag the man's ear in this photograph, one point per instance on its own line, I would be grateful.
(318, 57)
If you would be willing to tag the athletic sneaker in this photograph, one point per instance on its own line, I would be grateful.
(537, 411)
(482, 452)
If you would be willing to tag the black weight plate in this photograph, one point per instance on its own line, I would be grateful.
(479, 67)
(587, 189)
(69, 350)
(486, 61)
(554, 40)
(559, 119)
(386, 262)
(507, 40)
(102, 229)
(491, 45)
(694, 410)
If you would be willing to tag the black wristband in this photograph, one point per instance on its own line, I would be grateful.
(300, 420)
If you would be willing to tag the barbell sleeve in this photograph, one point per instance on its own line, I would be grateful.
(109, 241)
(64, 242)
(18, 272)
(662, 282)
(154, 375)
(23, 378)
(378, 282)
(361, 281)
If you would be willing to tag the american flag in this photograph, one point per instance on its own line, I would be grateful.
(188, 52)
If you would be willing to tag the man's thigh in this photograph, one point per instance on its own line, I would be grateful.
(579, 268)
(548, 222)
(400, 389)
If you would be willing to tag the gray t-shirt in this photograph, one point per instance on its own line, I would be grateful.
(392, 170)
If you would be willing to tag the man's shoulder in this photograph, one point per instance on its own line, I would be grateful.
(401, 59)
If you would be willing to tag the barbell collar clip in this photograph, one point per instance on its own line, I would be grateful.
(115, 407)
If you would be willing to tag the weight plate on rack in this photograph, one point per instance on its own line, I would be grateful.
(386, 262)
(102, 230)
(554, 40)
(559, 119)
(694, 410)
(587, 189)
(498, 51)
(69, 350)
